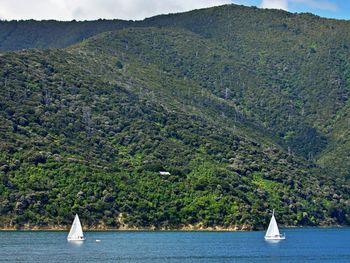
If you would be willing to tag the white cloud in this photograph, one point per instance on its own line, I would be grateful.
(94, 9)
(275, 4)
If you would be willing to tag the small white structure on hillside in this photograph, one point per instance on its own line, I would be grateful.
(164, 173)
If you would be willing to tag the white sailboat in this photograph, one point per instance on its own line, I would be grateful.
(273, 232)
(76, 231)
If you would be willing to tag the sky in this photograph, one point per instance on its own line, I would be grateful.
(140, 9)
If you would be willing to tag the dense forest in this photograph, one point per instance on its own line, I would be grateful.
(246, 109)
(17, 35)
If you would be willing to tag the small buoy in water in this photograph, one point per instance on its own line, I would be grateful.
(97, 240)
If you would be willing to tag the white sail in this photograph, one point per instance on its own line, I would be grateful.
(273, 228)
(273, 232)
(76, 231)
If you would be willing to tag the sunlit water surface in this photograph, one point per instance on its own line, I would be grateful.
(301, 245)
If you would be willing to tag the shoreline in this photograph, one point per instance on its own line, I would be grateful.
(121, 229)
(155, 229)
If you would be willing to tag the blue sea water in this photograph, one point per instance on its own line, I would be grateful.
(301, 245)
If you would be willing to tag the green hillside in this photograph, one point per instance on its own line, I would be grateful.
(296, 76)
(246, 108)
(17, 35)
(297, 63)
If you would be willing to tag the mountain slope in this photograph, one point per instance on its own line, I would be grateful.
(89, 136)
(286, 72)
(247, 109)
(302, 81)
(336, 156)
(17, 35)
(299, 63)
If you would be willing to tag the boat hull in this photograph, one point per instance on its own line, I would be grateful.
(76, 239)
(274, 238)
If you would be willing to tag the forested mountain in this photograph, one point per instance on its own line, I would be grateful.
(300, 71)
(17, 35)
(246, 108)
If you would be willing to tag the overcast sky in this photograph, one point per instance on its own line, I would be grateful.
(139, 9)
